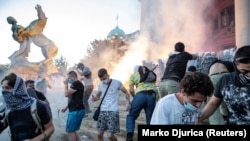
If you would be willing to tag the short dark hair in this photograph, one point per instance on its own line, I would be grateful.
(192, 68)
(11, 78)
(79, 65)
(102, 72)
(72, 73)
(242, 55)
(29, 82)
(197, 82)
(179, 46)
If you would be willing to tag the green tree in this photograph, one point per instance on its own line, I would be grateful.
(61, 64)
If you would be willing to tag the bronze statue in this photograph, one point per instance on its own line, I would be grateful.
(32, 34)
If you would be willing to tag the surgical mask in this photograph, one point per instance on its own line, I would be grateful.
(105, 81)
(189, 106)
(70, 81)
(244, 79)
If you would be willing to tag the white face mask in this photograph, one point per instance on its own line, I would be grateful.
(105, 81)
(188, 106)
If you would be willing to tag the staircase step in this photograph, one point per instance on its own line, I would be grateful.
(92, 134)
(88, 126)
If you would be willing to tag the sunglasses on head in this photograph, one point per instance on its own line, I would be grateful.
(244, 60)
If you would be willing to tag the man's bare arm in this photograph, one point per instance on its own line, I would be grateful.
(124, 90)
(132, 90)
(210, 108)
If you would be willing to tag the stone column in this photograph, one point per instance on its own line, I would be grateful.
(242, 22)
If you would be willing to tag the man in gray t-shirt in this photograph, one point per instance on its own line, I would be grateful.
(86, 73)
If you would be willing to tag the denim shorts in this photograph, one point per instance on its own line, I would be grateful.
(74, 120)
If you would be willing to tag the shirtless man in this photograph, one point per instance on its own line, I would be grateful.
(216, 70)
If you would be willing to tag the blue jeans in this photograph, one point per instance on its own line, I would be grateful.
(142, 100)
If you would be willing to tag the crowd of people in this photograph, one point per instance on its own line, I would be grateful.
(183, 95)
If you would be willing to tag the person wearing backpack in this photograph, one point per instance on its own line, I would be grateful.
(33, 92)
(142, 87)
(18, 116)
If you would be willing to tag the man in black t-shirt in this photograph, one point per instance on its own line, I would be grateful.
(175, 70)
(30, 84)
(73, 89)
(234, 90)
(19, 118)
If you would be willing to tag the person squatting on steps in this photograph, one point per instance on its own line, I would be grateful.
(185, 106)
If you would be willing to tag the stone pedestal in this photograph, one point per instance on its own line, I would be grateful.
(28, 70)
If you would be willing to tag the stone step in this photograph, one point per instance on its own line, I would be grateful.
(88, 126)
(92, 134)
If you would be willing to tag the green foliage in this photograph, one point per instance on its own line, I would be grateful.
(61, 64)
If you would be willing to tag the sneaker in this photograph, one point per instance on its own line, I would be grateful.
(129, 137)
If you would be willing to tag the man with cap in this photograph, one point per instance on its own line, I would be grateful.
(234, 90)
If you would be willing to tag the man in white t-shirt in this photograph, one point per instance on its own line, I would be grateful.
(185, 106)
(108, 119)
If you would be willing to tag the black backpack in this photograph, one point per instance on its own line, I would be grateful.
(147, 75)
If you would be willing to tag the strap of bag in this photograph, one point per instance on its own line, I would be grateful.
(36, 117)
(37, 120)
(105, 93)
